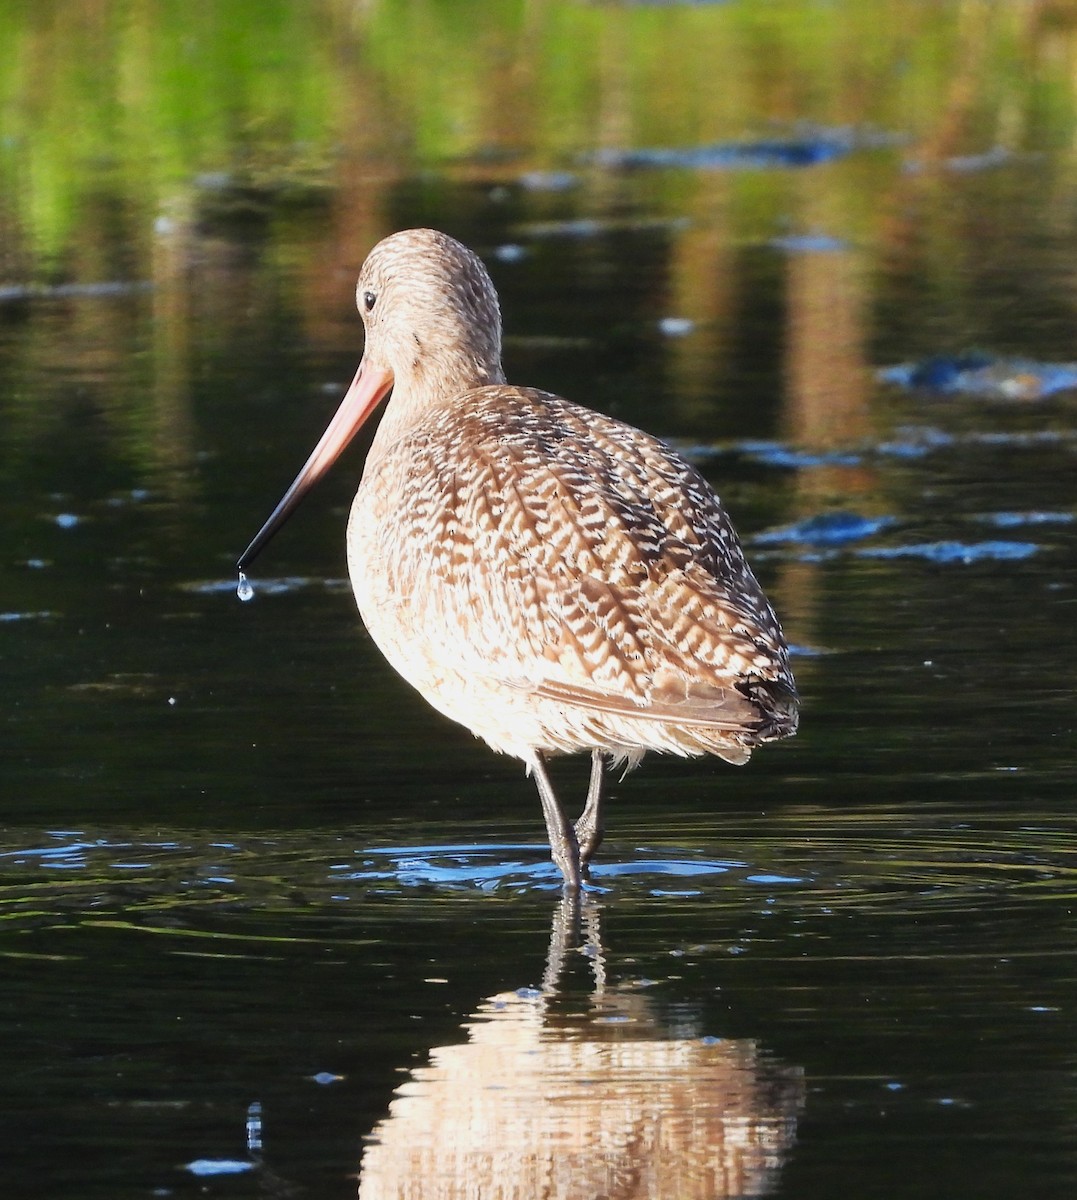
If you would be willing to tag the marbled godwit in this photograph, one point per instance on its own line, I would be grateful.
(553, 579)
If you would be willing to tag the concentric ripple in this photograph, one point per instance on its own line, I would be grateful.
(814, 864)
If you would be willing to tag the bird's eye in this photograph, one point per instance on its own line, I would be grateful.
(368, 300)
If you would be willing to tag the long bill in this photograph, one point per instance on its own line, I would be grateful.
(367, 389)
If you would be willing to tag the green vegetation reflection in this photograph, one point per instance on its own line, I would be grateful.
(148, 99)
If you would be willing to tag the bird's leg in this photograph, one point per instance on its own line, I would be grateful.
(589, 827)
(563, 845)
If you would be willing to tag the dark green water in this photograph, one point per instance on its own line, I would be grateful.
(267, 921)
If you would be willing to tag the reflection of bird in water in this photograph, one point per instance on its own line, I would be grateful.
(565, 1097)
(553, 579)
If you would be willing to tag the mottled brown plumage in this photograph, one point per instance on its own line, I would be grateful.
(551, 578)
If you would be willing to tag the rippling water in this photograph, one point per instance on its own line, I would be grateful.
(889, 972)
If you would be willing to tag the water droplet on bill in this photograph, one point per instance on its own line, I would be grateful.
(245, 590)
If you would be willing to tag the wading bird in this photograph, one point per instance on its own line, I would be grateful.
(553, 579)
